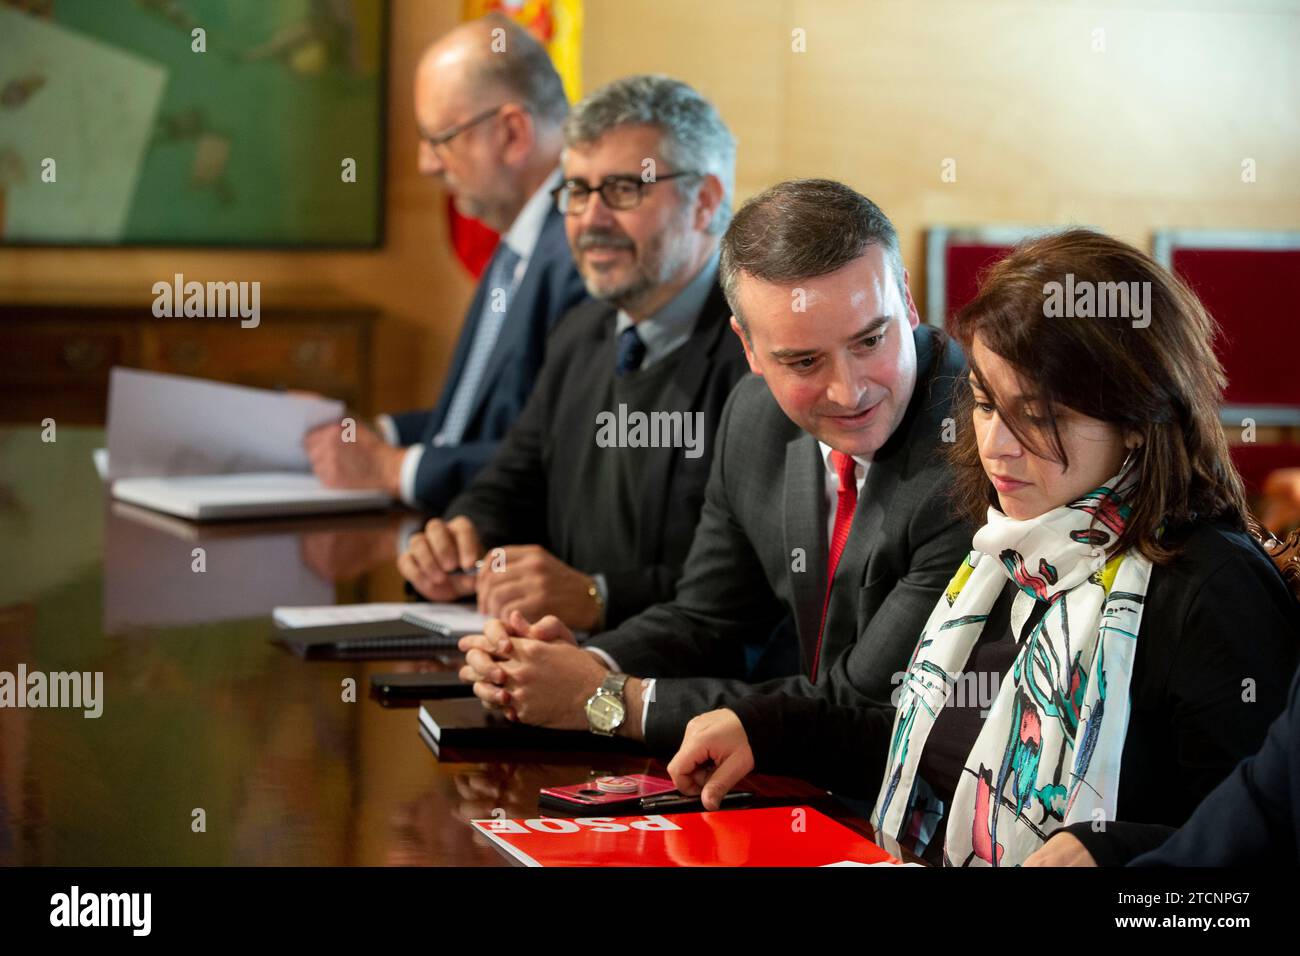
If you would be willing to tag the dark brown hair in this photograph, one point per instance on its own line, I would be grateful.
(801, 229)
(1155, 375)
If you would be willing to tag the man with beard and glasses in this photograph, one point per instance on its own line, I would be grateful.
(590, 505)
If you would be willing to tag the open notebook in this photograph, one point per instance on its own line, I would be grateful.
(205, 450)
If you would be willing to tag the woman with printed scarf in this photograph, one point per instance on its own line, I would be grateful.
(1133, 641)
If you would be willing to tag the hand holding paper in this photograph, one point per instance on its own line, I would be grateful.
(353, 456)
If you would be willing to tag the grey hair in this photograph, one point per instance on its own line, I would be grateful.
(695, 137)
(524, 71)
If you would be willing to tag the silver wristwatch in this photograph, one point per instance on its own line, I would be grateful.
(606, 709)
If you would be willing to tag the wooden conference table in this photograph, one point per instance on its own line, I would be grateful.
(201, 712)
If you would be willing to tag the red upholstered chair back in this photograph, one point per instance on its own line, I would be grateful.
(955, 258)
(1250, 283)
(1254, 294)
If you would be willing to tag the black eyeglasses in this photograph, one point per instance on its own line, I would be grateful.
(618, 192)
(442, 139)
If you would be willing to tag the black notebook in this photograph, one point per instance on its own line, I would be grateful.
(375, 631)
(410, 689)
(373, 640)
(465, 724)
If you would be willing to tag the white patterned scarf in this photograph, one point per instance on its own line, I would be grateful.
(1049, 750)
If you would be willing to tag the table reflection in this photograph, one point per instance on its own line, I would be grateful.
(216, 746)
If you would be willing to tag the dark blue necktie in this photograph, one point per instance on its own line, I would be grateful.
(631, 351)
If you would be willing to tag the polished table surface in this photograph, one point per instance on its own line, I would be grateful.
(201, 712)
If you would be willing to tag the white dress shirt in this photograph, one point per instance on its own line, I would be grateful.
(831, 488)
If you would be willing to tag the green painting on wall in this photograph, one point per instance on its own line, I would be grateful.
(192, 122)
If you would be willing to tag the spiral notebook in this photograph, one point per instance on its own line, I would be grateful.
(375, 631)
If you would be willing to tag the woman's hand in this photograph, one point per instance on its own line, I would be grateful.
(1061, 849)
(714, 757)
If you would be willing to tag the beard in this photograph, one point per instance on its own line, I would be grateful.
(487, 209)
(653, 264)
(469, 206)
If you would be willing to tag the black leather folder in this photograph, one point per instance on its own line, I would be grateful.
(465, 724)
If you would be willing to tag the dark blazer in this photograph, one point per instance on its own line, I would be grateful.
(1216, 615)
(534, 491)
(550, 287)
(759, 557)
(1253, 817)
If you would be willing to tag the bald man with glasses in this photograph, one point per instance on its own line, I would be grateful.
(490, 123)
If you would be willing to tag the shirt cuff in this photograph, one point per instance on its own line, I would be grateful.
(604, 659)
(410, 466)
(602, 588)
(408, 527)
(647, 698)
(647, 684)
(387, 429)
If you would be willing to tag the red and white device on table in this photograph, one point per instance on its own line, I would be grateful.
(627, 796)
(770, 836)
(600, 793)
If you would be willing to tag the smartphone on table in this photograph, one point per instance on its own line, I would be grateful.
(634, 793)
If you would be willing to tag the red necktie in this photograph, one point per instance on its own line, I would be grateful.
(846, 501)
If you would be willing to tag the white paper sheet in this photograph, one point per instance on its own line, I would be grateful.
(453, 619)
(167, 425)
(338, 614)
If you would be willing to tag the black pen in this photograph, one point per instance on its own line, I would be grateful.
(677, 801)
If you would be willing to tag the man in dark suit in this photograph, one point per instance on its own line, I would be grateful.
(828, 468)
(592, 501)
(490, 117)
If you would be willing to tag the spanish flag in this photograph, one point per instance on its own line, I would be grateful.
(558, 25)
